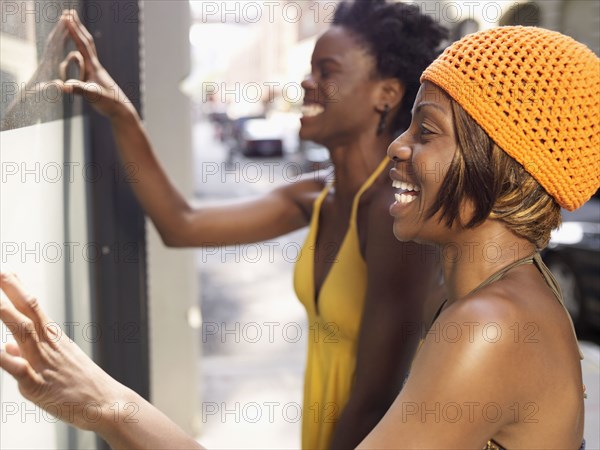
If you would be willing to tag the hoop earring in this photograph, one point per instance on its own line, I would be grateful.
(384, 113)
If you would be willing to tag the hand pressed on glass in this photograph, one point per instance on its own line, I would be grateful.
(52, 371)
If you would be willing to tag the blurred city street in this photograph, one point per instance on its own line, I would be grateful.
(251, 371)
(254, 329)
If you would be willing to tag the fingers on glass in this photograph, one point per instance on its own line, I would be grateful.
(17, 323)
(87, 35)
(12, 349)
(76, 57)
(21, 298)
(12, 364)
(22, 313)
(81, 36)
(21, 371)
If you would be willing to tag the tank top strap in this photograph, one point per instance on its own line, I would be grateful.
(553, 284)
(550, 280)
(497, 275)
(366, 185)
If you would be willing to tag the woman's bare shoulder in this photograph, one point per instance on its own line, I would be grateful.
(515, 325)
(304, 188)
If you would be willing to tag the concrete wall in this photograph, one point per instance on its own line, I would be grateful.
(172, 281)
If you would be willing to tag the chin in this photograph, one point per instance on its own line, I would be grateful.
(306, 135)
(406, 233)
(402, 234)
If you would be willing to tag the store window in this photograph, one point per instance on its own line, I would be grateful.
(43, 200)
(69, 225)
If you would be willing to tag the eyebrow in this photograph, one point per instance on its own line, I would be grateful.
(325, 60)
(422, 105)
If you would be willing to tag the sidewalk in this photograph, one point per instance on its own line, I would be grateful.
(254, 342)
(254, 328)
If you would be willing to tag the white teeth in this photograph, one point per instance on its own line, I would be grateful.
(405, 198)
(311, 110)
(405, 186)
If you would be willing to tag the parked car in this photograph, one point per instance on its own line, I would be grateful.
(315, 156)
(261, 138)
(573, 256)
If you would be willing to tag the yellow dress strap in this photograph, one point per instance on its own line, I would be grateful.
(322, 195)
(366, 185)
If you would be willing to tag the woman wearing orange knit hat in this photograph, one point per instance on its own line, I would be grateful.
(511, 116)
(505, 131)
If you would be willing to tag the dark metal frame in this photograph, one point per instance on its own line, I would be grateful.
(119, 285)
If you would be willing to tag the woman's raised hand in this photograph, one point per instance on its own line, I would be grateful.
(95, 85)
(55, 374)
(51, 370)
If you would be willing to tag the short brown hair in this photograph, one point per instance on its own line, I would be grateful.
(497, 185)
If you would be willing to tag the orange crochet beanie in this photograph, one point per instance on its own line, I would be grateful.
(536, 93)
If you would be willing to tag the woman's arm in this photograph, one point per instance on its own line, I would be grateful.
(179, 224)
(55, 374)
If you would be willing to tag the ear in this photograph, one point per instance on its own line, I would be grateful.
(390, 92)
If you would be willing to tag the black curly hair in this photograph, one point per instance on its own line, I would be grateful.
(402, 40)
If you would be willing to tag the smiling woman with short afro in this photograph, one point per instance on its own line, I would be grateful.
(402, 41)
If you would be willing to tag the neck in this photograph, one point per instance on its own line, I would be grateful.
(479, 253)
(355, 161)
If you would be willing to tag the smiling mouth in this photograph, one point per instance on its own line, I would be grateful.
(311, 110)
(408, 191)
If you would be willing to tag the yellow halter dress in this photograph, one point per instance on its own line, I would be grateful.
(334, 318)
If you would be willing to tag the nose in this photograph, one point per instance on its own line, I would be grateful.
(399, 150)
(308, 82)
